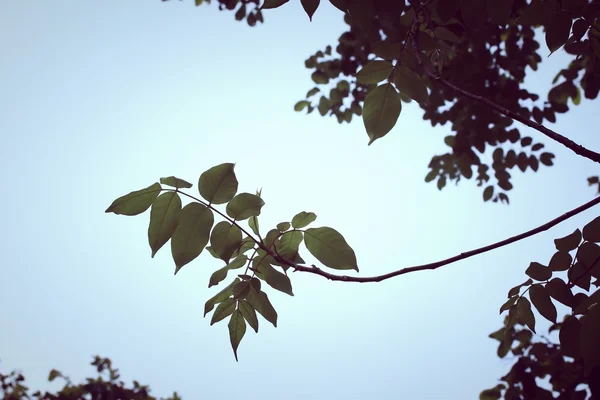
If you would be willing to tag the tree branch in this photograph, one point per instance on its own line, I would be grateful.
(431, 266)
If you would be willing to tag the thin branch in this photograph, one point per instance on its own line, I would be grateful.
(575, 147)
(438, 264)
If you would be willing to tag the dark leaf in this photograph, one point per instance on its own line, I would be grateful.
(249, 314)
(374, 72)
(224, 310)
(164, 217)
(310, 6)
(244, 205)
(330, 248)
(559, 290)
(538, 272)
(192, 233)
(175, 182)
(591, 231)
(542, 302)
(260, 302)
(136, 202)
(381, 110)
(219, 184)
(237, 330)
(569, 242)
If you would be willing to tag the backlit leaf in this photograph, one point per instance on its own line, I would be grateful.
(283, 226)
(569, 336)
(237, 329)
(330, 248)
(525, 314)
(515, 290)
(589, 257)
(253, 224)
(249, 314)
(508, 304)
(175, 182)
(301, 105)
(225, 239)
(288, 244)
(276, 279)
(411, 84)
(164, 217)
(224, 310)
(219, 275)
(499, 11)
(488, 193)
(310, 6)
(569, 242)
(244, 205)
(241, 290)
(557, 30)
(559, 290)
(560, 261)
(590, 339)
(538, 272)
(542, 302)
(219, 297)
(192, 233)
(260, 302)
(591, 231)
(219, 184)
(374, 72)
(303, 219)
(273, 4)
(381, 110)
(136, 202)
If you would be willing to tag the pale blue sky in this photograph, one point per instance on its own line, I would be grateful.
(98, 98)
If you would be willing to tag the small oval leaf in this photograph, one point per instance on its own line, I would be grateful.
(224, 310)
(218, 184)
(136, 202)
(569, 242)
(303, 219)
(374, 72)
(330, 248)
(177, 183)
(591, 231)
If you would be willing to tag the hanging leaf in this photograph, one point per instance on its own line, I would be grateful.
(591, 231)
(225, 239)
(219, 297)
(585, 305)
(177, 183)
(303, 219)
(508, 304)
(219, 275)
(559, 290)
(525, 314)
(136, 202)
(276, 279)
(411, 84)
(249, 314)
(191, 234)
(164, 217)
(310, 6)
(569, 242)
(244, 205)
(241, 290)
(219, 184)
(255, 284)
(224, 310)
(569, 336)
(561, 261)
(381, 110)
(590, 339)
(558, 30)
(515, 291)
(589, 257)
(374, 72)
(272, 4)
(253, 224)
(330, 248)
(488, 193)
(237, 329)
(542, 302)
(538, 272)
(260, 302)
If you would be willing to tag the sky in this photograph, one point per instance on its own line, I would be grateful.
(101, 98)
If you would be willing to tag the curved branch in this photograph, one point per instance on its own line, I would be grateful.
(431, 266)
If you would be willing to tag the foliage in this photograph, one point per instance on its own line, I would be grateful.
(106, 386)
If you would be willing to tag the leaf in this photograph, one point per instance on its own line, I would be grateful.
(330, 248)
(538, 272)
(241, 290)
(136, 202)
(255, 284)
(244, 205)
(303, 219)
(191, 234)
(276, 279)
(557, 30)
(569, 242)
(218, 185)
(411, 84)
(537, 12)
(559, 290)
(488, 193)
(312, 92)
(175, 182)
(272, 4)
(589, 257)
(219, 297)
(590, 339)
(499, 11)
(283, 226)
(591, 231)
(219, 275)
(444, 33)
(288, 244)
(509, 303)
(310, 6)
(249, 314)
(225, 239)
(525, 313)
(569, 336)
(579, 276)
(301, 105)
(341, 5)
(447, 9)
(237, 329)
(164, 217)
(224, 310)
(560, 261)
(515, 290)
(473, 12)
(381, 110)
(260, 302)
(542, 302)
(546, 159)
(253, 224)
(374, 72)
(587, 303)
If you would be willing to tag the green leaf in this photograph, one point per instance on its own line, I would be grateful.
(219, 275)
(301, 105)
(253, 224)
(218, 185)
(312, 92)
(558, 30)
(538, 272)
(224, 310)
(255, 284)
(509, 303)
(283, 226)
(590, 339)
(559, 290)
(591, 231)
(411, 84)
(135, 203)
(374, 72)
(569, 336)
(310, 6)
(260, 302)
(515, 290)
(249, 314)
(431, 175)
(276, 279)
(488, 193)
(569, 242)
(53, 375)
(241, 290)
(381, 110)
(560, 261)
(175, 182)
(225, 239)
(303, 219)
(244, 205)
(191, 235)
(164, 217)
(272, 4)
(288, 244)
(525, 314)
(237, 329)
(542, 302)
(219, 297)
(330, 248)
